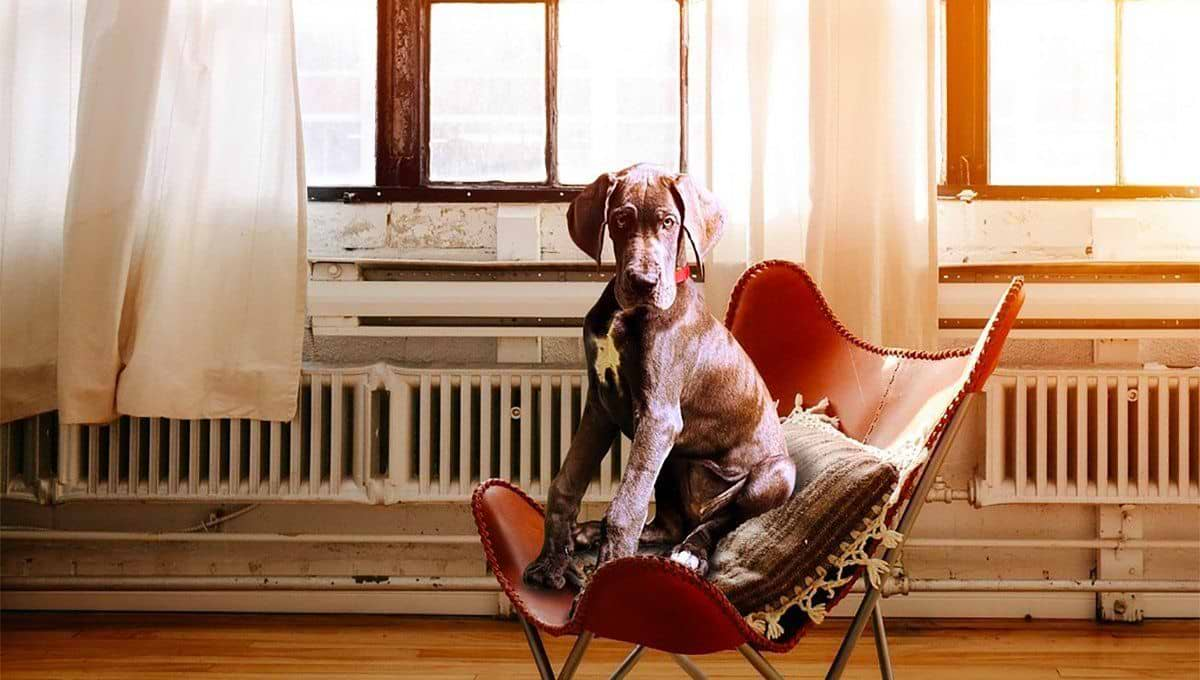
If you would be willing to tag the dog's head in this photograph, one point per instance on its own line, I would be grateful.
(652, 217)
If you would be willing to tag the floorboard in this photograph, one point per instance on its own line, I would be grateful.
(111, 646)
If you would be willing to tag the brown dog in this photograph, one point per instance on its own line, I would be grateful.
(706, 439)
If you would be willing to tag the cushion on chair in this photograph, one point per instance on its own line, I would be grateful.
(787, 565)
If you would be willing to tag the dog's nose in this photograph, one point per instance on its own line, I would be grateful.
(643, 282)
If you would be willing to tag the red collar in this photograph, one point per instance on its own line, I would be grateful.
(683, 273)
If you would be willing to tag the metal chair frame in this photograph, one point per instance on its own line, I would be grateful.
(869, 608)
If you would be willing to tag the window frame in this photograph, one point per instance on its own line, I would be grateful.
(967, 122)
(402, 116)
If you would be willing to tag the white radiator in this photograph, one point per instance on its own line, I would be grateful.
(377, 434)
(1092, 436)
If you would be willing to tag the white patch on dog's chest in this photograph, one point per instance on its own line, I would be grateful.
(608, 356)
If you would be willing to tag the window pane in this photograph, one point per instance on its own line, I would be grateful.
(1052, 91)
(618, 86)
(487, 92)
(1160, 92)
(335, 63)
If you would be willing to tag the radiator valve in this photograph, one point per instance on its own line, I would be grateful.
(891, 586)
(943, 493)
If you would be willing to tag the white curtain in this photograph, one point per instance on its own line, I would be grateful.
(39, 81)
(182, 286)
(817, 134)
(872, 233)
(748, 93)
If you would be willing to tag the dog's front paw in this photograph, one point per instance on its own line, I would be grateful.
(691, 558)
(617, 543)
(548, 570)
(613, 550)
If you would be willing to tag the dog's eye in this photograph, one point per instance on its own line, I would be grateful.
(668, 222)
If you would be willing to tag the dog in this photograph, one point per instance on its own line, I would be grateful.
(706, 438)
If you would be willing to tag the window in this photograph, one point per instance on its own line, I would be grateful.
(1071, 98)
(491, 100)
(335, 62)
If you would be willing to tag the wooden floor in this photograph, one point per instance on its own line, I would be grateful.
(101, 646)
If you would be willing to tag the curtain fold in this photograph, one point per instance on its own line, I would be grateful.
(872, 234)
(39, 81)
(753, 153)
(818, 136)
(183, 256)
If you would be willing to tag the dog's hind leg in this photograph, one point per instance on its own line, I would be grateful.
(770, 484)
(693, 552)
(713, 494)
(767, 486)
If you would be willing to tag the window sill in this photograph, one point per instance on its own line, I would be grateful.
(447, 193)
(1049, 193)
(1071, 271)
(1075, 299)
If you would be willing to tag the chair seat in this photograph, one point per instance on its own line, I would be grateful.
(643, 600)
(510, 526)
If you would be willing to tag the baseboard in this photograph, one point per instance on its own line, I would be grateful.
(1020, 605)
(450, 603)
(444, 603)
(981, 605)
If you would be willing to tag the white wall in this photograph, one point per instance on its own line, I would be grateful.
(996, 231)
(981, 231)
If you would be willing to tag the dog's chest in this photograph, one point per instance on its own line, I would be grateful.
(606, 354)
(613, 355)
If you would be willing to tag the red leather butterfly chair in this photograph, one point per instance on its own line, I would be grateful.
(882, 396)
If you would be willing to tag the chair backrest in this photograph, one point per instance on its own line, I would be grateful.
(882, 395)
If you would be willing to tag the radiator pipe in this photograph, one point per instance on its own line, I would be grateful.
(1066, 543)
(30, 534)
(904, 585)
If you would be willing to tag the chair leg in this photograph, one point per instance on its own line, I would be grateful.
(575, 657)
(870, 599)
(760, 664)
(537, 649)
(907, 519)
(542, 660)
(628, 664)
(689, 667)
(881, 643)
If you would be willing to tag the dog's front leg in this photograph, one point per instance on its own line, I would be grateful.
(626, 516)
(592, 440)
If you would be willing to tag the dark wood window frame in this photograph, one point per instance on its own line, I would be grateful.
(967, 122)
(402, 116)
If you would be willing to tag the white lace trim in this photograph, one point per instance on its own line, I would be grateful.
(906, 456)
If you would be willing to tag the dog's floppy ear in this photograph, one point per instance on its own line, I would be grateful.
(703, 217)
(588, 215)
